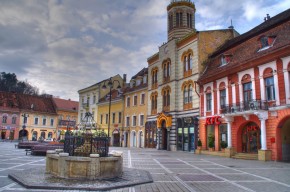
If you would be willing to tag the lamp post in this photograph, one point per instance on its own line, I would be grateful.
(110, 84)
(24, 115)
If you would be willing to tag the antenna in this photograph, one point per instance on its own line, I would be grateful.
(231, 27)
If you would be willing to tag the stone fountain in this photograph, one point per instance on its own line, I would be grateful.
(84, 164)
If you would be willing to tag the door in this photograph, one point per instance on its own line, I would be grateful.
(164, 139)
(192, 140)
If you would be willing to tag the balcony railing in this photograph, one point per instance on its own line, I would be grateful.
(244, 106)
(85, 105)
(67, 123)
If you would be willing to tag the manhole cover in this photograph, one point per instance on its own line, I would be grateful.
(185, 177)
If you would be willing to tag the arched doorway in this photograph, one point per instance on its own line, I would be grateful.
(34, 136)
(285, 140)
(116, 138)
(164, 135)
(23, 134)
(42, 135)
(3, 134)
(150, 134)
(251, 138)
(133, 139)
(140, 139)
(125, 135)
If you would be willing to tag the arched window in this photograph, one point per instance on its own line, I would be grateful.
(185, 96)
(190, 94)
(269, 84)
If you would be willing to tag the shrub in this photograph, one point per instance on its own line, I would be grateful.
(224, 144)
(199, 144)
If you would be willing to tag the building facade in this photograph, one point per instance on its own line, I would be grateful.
(89, 96)
(173, 99)
(135, 110)
(244, 93)
(110, 116)
(9, 116)
(67, 112)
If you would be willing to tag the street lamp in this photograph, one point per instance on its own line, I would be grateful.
(24, 115)
(110, 84)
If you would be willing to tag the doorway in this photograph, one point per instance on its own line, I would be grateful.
(251, 141)
(164, 136)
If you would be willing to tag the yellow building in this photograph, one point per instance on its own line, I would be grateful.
(38, 117)
(67, 112)
(135, 110)
(110, 116)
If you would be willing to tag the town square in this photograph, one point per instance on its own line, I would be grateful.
(174, 95)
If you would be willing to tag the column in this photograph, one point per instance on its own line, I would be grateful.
(168, 138)
(229, 121)
(159, 136)
(263, 116)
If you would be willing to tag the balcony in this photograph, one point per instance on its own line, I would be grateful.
(166, 108)
(187, 73)
(69, 123)
(154, 85)
(166, 79)
(85, 105)
(253, 105)
(153, 111)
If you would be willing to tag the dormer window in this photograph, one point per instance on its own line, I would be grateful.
(145, 79)
(132, 83)
(225, 59)
(266, 42)
(138, 82)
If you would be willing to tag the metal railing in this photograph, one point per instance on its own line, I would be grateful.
(244, 106)
(86, 144)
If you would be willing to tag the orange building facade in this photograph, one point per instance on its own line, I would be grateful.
(245, 94)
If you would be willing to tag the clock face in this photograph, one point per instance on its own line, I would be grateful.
(166, 49)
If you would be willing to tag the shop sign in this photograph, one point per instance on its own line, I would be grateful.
(213, 120)
(252, 128)
(180, 130)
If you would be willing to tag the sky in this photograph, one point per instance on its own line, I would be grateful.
(62, 46)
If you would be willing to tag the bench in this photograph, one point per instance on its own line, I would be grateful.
(29, 144)
(41, 149)
(27, 151)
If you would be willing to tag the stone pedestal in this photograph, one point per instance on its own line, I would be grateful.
(229, 152)
(264, 155)
(94, 167)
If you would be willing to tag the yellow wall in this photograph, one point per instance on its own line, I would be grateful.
(31, 127)
(103, 109)
(135, 111)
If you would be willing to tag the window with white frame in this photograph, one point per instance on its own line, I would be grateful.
(4, 119)
(113, 119)
(142, 98)
(270, 89)
(127, 121)
(51, 122)
(208, 102)
(44, 121)
(14, 118)
(134, 121)
(120, 117)
(135, 100)
(141, 120)
(247, 92)
(222, 98)
(36, 121)
(128, 102)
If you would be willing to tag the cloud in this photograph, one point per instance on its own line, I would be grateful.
(62, 46)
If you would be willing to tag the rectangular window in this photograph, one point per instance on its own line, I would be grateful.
(208, 102)
(247, 91)
(120, 117)
(25, 120)
(222, 98)
(270, 89)
(94, 99)
(113, 119)
(14, 120)
(134, 120)
(43, 121)
(128, 101)
(143, 99)
(127, 121)
(36, 121)
(51, 122)
(141, 120)
(101, 119)
(4, 119)
(107, 118)
(135, 100)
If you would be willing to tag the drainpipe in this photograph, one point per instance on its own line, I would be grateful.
(195, 84)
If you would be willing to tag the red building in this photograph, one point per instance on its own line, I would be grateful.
(245, 92)
(9, 116)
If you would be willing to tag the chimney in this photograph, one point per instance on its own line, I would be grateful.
(268, 16)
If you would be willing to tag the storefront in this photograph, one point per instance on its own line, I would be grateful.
(150, 134)
(187, 133)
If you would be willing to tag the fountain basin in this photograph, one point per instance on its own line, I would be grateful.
(75, 167)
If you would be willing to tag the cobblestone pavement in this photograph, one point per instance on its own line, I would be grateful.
(171, 171)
